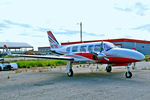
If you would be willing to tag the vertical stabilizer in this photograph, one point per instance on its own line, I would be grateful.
(53, 42)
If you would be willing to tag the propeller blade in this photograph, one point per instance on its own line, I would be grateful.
(101, 56)
(106, 58)
(102, 46)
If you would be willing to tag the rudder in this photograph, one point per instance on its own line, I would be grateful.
(52, 40)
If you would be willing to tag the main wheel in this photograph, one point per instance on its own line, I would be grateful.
(108, 68)
(70, 73)
(128, 74)
(0, 68)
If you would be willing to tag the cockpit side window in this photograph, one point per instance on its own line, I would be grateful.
(68, 49)
(90, 48)
(97, 48)
(108, 46)
(83, 48)
(74, 48)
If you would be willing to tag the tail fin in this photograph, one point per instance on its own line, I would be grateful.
(53, 42)
(8, 52)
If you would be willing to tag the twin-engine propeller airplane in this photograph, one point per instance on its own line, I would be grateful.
(96, 52)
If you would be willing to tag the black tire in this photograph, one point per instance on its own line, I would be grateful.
(128, 74)
(108, 68)
(0, 68)
(70, 74)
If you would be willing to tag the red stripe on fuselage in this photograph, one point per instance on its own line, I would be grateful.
(116, 60)
(87, 55)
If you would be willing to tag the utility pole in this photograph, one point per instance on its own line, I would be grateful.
(81, 32)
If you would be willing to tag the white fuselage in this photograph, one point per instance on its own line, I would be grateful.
(83, 52)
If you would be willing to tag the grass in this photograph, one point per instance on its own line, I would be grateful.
(41, 63)
(9, 57)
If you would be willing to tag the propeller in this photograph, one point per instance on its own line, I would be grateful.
(101, 55)
(102, 47)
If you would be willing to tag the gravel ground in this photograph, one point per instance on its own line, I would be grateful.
(87, 84)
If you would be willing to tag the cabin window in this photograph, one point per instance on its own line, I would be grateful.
(68, 49)
(90, 48)
(83, 49)
(97, 48)
(75, 49)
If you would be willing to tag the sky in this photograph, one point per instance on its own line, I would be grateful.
(29, 20)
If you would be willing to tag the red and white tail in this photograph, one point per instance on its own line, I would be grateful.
(53, 42)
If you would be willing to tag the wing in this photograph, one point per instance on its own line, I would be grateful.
(46, 57)
(53, 52)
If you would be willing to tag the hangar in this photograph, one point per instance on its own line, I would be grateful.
(142, 46)
(15, 47)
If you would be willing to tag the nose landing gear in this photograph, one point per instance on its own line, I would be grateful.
(128, 74)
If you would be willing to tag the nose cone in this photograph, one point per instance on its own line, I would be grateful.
(137, 55)
(128, 53)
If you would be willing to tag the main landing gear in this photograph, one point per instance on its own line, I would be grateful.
(128, 74)
(108, 68)
(69, 69)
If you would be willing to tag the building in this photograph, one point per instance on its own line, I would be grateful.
(44, 48)
(15, 47)
(142, 46)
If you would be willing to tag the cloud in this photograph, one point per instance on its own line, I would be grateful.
(69, 32)
(143, 27)
(124, 9)
(42, 29)
(128, 36)
(5, 2)
(24, 34)
(93, 34)
(36, 35)
(3, 26)
(17, 24)
(138, 8)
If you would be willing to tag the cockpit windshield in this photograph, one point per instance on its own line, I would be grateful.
(108, 46)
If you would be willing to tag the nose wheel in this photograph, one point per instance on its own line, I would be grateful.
(128, 74)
